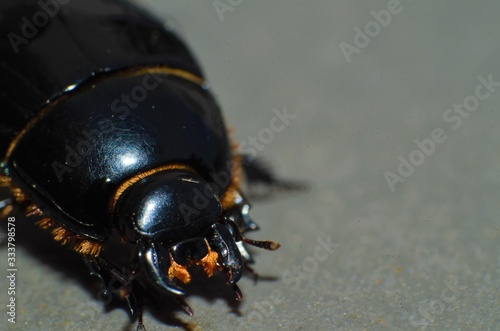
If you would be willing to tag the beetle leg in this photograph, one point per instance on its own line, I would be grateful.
(123, 278)
(140, 324)
(254, 273)
(239, 214)
(237, 292)
(97, 271)
(184, 305)
(134, 308)
(107, 274)
(134, 303)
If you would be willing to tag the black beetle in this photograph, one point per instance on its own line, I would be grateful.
(107, 126)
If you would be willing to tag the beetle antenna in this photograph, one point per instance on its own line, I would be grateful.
(265, 244)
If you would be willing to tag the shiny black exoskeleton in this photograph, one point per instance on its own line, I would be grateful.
(107, 126)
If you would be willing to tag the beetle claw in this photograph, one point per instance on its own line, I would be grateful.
(254, 274)
(187, 309)
(237, 292)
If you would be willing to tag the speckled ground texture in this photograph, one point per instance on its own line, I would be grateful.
(423, 256)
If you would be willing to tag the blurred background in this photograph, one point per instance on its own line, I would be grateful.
(391, 114)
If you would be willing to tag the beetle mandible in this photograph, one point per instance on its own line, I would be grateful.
(108, 126)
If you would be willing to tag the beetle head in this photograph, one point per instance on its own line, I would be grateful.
(177, 221)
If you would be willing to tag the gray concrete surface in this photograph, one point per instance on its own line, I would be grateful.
(424, 255)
